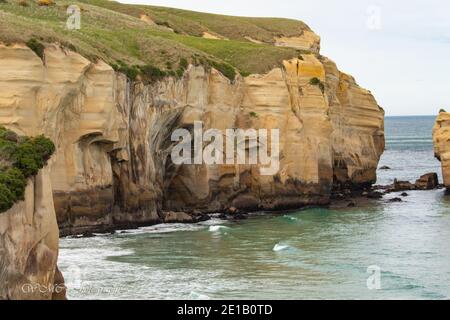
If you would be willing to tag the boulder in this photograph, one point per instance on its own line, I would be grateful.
(428, 181)
(177, 217)
(402, 186)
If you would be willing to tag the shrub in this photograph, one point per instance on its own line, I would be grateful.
(316, 82)
(442, 110)
(180, 73)
(6, 198)
(253, 114)
(22, 158)
(131, 72)
(37, 47)
(14, 180)
(32, 154)
(152, 73)
(184, 63)
(226, 69)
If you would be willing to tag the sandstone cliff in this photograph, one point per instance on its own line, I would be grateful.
(441, 139)
(113, 166)
(29, 239)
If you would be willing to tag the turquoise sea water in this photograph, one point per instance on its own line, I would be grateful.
(309, 254)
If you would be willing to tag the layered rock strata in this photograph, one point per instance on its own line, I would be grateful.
(441, 140)
(113, 162)
(29, 239)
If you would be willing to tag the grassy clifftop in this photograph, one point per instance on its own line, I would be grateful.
(161, 39)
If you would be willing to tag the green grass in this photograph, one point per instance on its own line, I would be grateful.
(20, 158)
(196, 23)
(113, 32)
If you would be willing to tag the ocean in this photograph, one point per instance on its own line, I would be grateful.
(382, 250)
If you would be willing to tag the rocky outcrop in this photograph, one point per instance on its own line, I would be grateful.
(29, 239)
(113, 165)
(441, 139)
(308, 41)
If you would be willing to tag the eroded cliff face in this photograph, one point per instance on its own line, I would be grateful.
(29, 239)
(441, 139)
(113, 163)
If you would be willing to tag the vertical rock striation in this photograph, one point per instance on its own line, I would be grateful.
(441, 140)
(113, 166)
(29, 239)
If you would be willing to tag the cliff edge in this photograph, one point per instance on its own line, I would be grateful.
(111, 110)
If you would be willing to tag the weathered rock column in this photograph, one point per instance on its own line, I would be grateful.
(441, 140)
(29, 239)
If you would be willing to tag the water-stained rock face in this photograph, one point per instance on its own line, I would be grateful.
(441, 139)
(29, 239)
(113, 163)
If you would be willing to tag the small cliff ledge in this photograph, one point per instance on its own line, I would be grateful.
(441, 140)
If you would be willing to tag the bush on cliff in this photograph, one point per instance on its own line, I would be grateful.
(20, 158)
(317, 82)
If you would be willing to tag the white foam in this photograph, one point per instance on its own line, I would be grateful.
(198, 296)
(290, 218)
(281, 247)
(217, 228)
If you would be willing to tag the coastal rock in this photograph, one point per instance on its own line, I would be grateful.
(401, 186)
(308, 41)
(177, 217)
(29, 239)
(428, 181)
(113, 167)
(441, 140)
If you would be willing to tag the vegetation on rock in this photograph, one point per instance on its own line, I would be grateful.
(114, 32)
(37, 47)
(20, 158)
(317, 82)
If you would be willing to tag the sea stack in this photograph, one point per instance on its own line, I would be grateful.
(441, 140)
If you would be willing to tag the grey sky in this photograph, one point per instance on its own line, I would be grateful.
(404, 60)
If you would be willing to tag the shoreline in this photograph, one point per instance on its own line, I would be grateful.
(358, 199)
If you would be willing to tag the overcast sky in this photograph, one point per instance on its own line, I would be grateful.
(400, 49)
